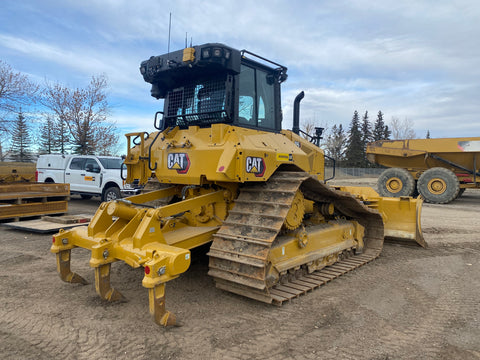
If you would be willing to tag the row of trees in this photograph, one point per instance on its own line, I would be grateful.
(348, 148)
(70, 120)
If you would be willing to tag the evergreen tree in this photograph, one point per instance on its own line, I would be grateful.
(379, 128)
(428, 134)
(61, 136)
(47, 141)
(354, 153)
(366, 137)
(387, 133)
(21, 140)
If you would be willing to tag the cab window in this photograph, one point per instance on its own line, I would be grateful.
(256, 98)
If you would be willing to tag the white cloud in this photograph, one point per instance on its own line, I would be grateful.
(416, 59)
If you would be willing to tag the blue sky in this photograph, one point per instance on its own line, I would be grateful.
(410, 59)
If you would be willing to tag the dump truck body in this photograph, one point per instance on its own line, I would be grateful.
(439, 169)
(222, 171)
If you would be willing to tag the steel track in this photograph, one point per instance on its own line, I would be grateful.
(240, 249)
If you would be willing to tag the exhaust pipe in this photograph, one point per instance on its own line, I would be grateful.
(296, 112)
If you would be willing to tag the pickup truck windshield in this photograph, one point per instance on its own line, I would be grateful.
(111, 163)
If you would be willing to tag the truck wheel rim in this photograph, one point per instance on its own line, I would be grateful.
(111, 196)
(394, 185)
(437, 186)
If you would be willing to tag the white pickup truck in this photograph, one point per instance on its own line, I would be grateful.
(87, 175)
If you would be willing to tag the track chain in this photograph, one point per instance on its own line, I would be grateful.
(240, 249)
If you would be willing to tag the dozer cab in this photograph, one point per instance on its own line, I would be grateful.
(221, 170)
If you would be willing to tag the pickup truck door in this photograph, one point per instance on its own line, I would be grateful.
(83, 174)
(75, 174)
(92, 178)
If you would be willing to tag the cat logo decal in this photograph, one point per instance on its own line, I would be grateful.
(179, 162)
(255, 165)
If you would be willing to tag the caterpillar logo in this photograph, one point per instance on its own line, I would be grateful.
(179, 162)
(255, 165)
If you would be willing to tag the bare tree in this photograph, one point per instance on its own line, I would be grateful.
(16, 90)
(308, 127)
(336, 143)
(402, 129)
(84, 111)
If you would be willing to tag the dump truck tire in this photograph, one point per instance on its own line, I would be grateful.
(395, 182)
(438, 185)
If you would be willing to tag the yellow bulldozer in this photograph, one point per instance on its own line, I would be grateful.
(220, 170)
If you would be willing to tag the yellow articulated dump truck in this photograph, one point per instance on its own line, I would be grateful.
(221, 171)
(438, 169)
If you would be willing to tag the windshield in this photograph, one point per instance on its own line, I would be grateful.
(111, 163)
(199, 103)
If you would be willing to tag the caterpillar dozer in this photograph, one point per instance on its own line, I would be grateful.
(221, 171)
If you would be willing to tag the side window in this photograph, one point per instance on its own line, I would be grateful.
(246, 107)
(92, 165)
(77, 164)
(265, 91)
(256, 98)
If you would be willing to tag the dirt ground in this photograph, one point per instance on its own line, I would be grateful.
(411, 303)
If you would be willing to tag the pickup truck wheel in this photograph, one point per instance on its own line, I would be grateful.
(438, 185)
(395, 182)
(112, 193)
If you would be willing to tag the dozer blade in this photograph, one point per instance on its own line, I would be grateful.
(402, 219)
(401, 216)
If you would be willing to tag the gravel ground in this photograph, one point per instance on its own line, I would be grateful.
(411, 303)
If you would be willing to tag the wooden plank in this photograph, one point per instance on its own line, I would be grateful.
(68, 219)
(33, 209)
(39, 226)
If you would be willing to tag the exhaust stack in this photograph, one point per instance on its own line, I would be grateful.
(296, 112)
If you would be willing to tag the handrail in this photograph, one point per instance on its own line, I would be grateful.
(333, 175)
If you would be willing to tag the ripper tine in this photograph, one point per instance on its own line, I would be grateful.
(63, 269)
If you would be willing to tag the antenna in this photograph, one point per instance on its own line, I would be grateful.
(186, 39)
(169, 28)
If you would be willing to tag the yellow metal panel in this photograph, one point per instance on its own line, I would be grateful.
(188, 54)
